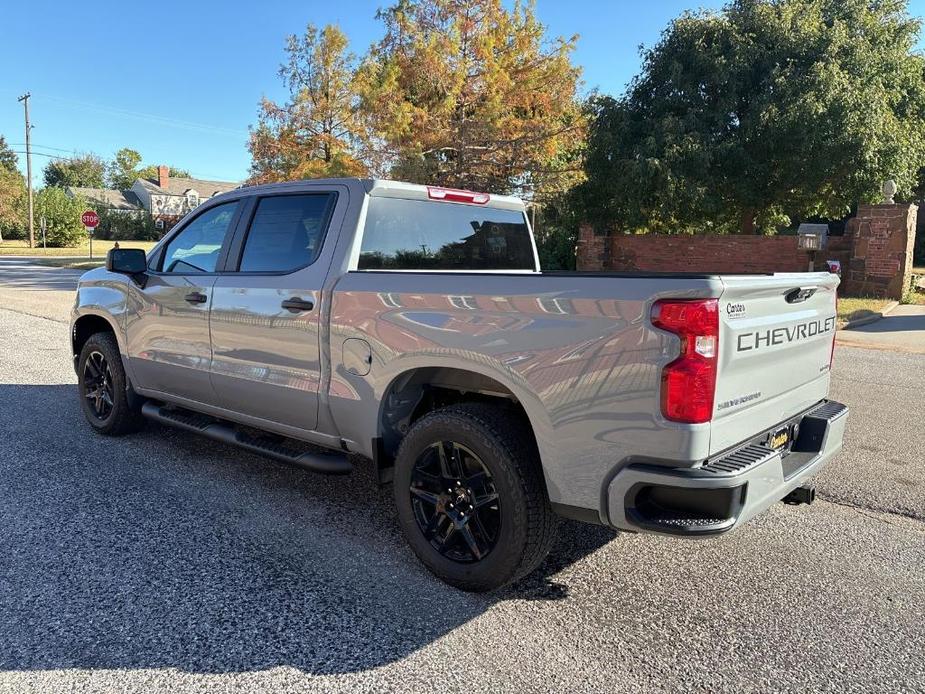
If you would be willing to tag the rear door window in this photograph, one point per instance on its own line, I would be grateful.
(422, 235)
(286, 232)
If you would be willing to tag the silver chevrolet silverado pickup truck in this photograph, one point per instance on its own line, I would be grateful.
(327, 323)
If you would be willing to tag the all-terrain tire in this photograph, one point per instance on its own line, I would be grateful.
(125, 415)
(500, 437)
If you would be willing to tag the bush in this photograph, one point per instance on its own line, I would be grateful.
(62, 218)
(126, 226)
(12, 204)
(556, 233)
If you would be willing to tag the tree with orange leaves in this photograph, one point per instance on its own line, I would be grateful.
(317, 133)
(467, 93)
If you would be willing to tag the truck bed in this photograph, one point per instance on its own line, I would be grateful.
(577, 350)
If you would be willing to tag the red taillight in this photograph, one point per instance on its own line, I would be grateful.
(689, 382)
(454, 195)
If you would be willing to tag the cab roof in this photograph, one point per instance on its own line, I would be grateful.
(380, 187)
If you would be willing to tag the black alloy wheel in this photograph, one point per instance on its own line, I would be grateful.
(455, 503)
(470, 495)
(110, 405)
(98, 385)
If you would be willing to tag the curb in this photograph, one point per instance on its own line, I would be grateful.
(867, 320)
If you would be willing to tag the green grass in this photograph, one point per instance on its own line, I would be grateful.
(73, 263)
(100, 248)
(850, 309)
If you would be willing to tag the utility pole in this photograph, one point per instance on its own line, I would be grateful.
(25, 102)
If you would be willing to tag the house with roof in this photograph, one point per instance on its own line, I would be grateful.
(166, 199)
(169, 198)
(107, 199)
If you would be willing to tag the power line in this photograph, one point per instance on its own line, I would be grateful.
(41, 154)
(149, 117)
(56, 149)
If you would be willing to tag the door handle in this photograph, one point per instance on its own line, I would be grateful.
(297, 304)
(196, 298)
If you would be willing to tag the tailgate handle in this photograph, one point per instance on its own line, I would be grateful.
(798, 295)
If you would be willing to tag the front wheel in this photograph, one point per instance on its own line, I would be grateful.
(470, 496)
(102, 386)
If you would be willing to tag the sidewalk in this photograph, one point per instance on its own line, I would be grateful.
(903, 330)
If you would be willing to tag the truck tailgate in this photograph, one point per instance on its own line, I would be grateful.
(775, 344)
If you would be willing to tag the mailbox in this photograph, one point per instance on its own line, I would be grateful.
(812, 237)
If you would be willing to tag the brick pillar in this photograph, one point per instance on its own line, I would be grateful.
(881, 262)
(590, 249)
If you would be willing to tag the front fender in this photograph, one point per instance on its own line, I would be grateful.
(102, 295)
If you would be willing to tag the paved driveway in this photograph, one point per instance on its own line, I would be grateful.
(163, 562)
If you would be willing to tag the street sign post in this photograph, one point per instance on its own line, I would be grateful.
(91, 220)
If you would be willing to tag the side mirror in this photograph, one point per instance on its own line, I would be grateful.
(128, 261)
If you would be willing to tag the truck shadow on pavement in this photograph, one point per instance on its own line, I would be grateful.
(164, 550)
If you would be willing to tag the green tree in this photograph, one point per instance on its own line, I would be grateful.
(766, 110)
(124, 170)
(12, 203)
(83, 170)
(62, 216)
(471, 94)
(317, 132)
(8, 158)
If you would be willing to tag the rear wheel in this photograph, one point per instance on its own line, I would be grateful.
(470, 496)
(102, 385)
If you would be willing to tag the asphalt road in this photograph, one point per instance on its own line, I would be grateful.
(21, 272)
(163, 562)
(38, 290)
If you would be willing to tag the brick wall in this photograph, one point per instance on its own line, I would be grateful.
(884, 236)
(707, 253)
(875, 252)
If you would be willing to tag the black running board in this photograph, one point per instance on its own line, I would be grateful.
(334, 463)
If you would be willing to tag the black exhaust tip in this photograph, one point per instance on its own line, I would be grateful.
(805, 494)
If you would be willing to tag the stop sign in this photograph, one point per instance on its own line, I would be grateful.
(90, 219)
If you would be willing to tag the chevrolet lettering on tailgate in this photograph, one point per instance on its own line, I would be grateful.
(784, 335)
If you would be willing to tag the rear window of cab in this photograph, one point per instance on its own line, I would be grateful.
(405, 234)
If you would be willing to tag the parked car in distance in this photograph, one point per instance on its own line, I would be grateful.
(411, 326)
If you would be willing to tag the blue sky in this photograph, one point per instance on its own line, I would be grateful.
(180, 81)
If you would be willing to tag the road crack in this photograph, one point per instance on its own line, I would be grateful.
(880, 514)
(33, 315)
